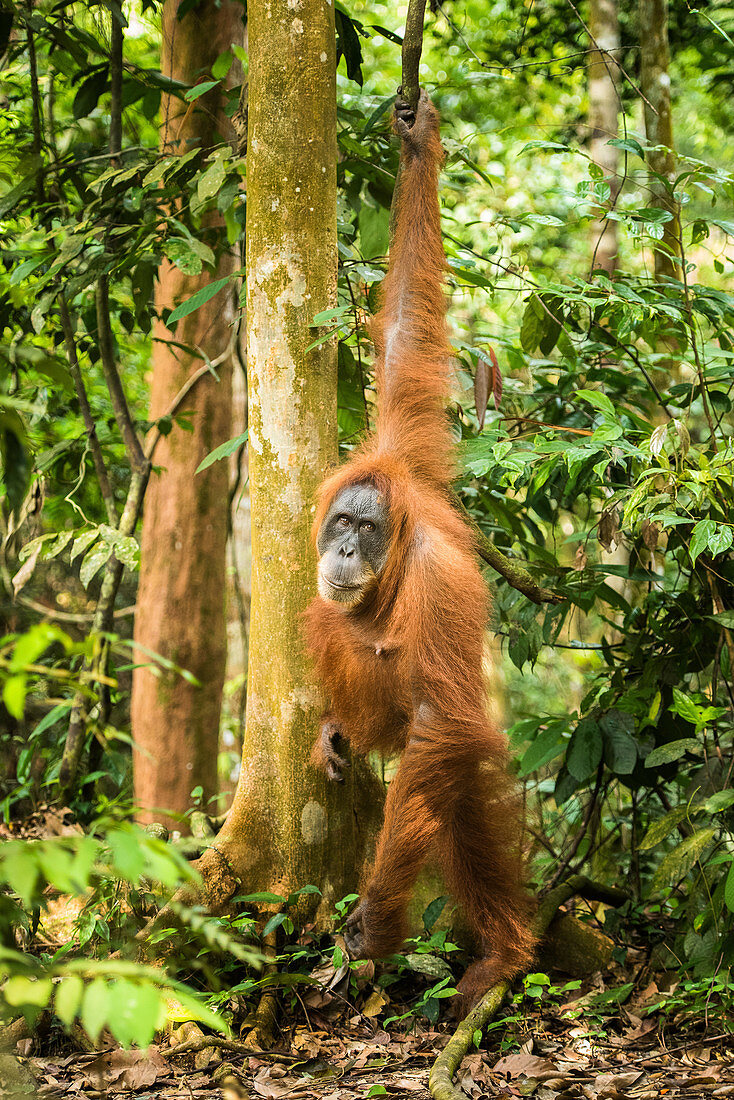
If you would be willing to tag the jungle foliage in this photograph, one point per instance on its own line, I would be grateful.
(593, 422)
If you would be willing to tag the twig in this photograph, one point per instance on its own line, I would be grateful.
(155, 434)
(70, 616)
(566, 861)
(116, 18)
(74, 369)
(624, 73)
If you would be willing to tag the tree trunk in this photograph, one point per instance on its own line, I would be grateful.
(288, 826)
(603, 113)
(655, 86)
(181, 601)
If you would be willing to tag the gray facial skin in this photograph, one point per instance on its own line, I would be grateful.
(352, 543)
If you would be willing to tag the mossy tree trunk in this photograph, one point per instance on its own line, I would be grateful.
(287, 826)
(603, 121)
(181, 601)
(655, 86)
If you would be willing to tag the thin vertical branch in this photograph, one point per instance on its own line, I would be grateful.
(116, 41)
(35, 103)
(412, 49)
(81, 393)
(120, 407)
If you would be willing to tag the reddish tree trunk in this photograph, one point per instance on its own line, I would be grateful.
(181, 601)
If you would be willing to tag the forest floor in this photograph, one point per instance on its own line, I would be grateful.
(549, 1052)
(629, 1032)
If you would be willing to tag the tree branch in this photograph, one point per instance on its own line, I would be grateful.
(81, 393)
(120, 407)
(412, 49)
(516, 575)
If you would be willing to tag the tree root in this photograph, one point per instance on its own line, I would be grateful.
(263, 1020)
(440, 1081)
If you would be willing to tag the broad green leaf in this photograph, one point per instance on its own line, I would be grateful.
(620, 748)
(68, 998)
(729, 889)
(20, 869)
(719, 801)
(201, 89)
(663, 827)
(95, 1008)
(665, 754)
(599, 400)
(14, 693)
(20, 990)
(433, 911)
(83, 542)
(533, 325)
(684, 856)
(546, 746)
(210, 183)
(700, 536)
(264, 898)
(724, 618)
(720, 541)
(584, 752)
(93, 562)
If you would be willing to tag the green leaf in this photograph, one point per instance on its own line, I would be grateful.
(93, 562)
(20, 991)
(275, 922)
(684, 856)
(720, 541)
(546, 746)
(200, 298)
(729, 890)
(673, 750)
(14, 693)
(662, 828)
(68, 998)
(180, 253)
(719, 801)
(533, 325)
(21, 870)
(95, 1008)
(620, 748)
(724, 618)
(211, 181)
(224, 450)
(628, 145)
(374, 232)
(433, 911)
(700, 536)
(599, 400)
(264, 898)
(83, 541)
(585, 750)
(377, 114)
(200, 89)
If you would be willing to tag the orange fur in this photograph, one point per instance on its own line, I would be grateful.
(403, 670)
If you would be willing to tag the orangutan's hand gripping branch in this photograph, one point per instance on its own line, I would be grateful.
(397, 629)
